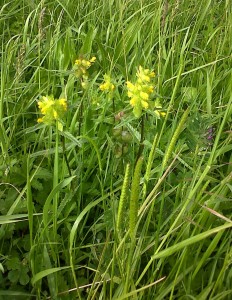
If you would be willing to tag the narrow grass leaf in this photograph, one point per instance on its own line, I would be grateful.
(47, 272)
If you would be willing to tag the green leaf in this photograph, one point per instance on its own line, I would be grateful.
(24, 278)
(87, 43)
(13, 263)
(14, 293)
(1, 268)
(13, 276)
(137, 111)
(189, 93)
(47, 272)
(37, 185)
(58, 188)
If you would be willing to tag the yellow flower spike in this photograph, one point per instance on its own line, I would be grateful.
(141, 90)
(51, 109)
(81, 66)
(107, 86)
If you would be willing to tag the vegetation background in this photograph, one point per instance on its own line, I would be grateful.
(108, 205)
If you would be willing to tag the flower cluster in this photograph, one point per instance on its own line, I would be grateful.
(81, 69)
(51, 109)
(140, 91)
(107, 86)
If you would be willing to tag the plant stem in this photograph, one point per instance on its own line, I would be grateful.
(80, 118)
(141, 145)
(56, 180)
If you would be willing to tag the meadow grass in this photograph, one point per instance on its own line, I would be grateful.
(103, 201)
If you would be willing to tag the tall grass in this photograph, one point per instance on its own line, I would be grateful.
(81, 217)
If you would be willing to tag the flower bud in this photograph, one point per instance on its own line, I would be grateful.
(118, 151)
(126, 136)
(117, 132)
(125, 149)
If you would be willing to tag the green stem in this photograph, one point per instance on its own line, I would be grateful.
(56, 181)
(113, 103)
(80, 118)
(134, 198)
(141, 145)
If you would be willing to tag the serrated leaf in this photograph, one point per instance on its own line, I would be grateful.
(189, 93)
(43, 173)
(37, 185)
(13, 263)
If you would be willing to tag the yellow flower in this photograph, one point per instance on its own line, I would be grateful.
(133, 102)
(158, 109)
(51, 109)
(86, 63)
(140, 91)
(55, 114)
(160, 113)
(130, 85)
(150, 89)
(129, 94)
(107, 86)
(144, 104)
(92, 60)
(63, 102)
(144, 75)
(77, 62)
(144, 96)
(82, 65)
(84, 84)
